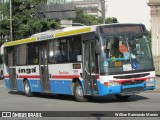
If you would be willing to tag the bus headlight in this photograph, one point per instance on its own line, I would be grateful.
(150, 82)
(112, 83)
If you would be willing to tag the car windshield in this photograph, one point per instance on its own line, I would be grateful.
(121, 53)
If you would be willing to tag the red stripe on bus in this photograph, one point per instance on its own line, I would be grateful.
(129, 80)
(6, 76)
(97, 76)
(65, 76)
(28, 76)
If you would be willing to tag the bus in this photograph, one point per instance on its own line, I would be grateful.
(1, 62)
(83, 61)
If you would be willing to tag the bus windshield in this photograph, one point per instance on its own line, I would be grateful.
(121, 53)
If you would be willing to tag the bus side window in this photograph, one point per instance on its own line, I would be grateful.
(75, 49)
(57, 53)
(21, 53)
(33, 54)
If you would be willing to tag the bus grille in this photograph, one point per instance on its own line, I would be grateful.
(136, 89)
(131, 76)
(133, 83)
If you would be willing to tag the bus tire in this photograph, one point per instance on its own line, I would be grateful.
(1, 75)
(27, 89)
(78, 92)
(122, 97)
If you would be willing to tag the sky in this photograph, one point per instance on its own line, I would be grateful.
(129, 11)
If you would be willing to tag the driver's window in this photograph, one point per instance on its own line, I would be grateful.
(118, 48)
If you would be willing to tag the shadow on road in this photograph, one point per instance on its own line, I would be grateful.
(112, 99)
(104, 99)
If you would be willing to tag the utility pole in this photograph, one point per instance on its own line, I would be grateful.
(103, 10)
(11, 35)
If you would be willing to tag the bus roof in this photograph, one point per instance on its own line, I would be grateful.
(52, 34)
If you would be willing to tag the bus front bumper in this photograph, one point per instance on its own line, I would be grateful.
(125, 89)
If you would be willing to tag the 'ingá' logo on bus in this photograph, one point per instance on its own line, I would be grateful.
(27, 70)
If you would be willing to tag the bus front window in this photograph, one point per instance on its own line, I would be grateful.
(121, 53)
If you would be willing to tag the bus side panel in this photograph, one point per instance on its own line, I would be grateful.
(35, 85)
(82, 83)
(6, 77)
(7, 83)
(62, 76)
(20, 85)
(61, 86)
(30, 73)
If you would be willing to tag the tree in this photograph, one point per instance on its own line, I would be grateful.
(24, 22)
(111, 20)
(84, 18)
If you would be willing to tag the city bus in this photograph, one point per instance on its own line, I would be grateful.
(83, 61)
(1, 62)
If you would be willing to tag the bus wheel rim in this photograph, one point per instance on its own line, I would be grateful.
(26, 88)
(79, 91)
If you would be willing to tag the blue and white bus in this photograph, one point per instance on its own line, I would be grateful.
(1, 62)
(82, 61)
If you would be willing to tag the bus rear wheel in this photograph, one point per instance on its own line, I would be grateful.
(27, 89)
(1, 75)
(122, 97)
(78, 93)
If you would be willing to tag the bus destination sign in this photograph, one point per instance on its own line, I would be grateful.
(121, 29)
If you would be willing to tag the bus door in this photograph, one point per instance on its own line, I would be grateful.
(43, 63)
(90, 67)
(12, 70)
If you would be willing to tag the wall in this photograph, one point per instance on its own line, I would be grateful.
(155, 29)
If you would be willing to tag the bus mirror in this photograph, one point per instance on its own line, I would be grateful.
(97, 48)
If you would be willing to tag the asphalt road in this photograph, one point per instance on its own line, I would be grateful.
(145, 101)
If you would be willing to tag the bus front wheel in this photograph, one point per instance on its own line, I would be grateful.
(78, 93)
(27, 89)
(1, 75)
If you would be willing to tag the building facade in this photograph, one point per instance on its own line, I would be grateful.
(91, 7)
(155, 29)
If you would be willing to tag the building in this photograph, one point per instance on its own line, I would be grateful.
(91, 7)
(155, 29)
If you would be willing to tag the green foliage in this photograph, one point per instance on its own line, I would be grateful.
(24, 23)
(83, 18)
(54, 24)
(4, 27)
(111, 20)
(149, 34)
